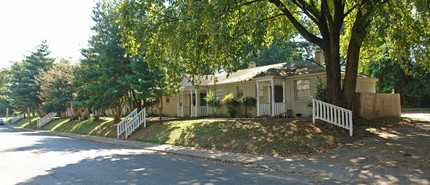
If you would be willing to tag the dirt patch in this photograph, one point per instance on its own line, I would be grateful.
(405, 146)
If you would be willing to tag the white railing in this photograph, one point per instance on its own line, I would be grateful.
(17, 118)
(265, 109)
(203, 111)
(120, 127)
(135, 122)
(333, 114)
(46, 119)
(279, 108)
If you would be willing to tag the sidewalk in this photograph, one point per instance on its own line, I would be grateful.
(334, 165)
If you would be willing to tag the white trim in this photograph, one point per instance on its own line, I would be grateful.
(272, 84)
(258, 98)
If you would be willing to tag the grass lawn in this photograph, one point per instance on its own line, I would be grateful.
(103, 127)
(272, 137)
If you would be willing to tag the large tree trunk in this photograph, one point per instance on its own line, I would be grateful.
(358, 33)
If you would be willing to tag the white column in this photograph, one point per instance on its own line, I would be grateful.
(207, 106)
(182, 103)
(195, 112)
(177, 106)
(273, 97)
(191, 103)
(258, 98)
(283, 97)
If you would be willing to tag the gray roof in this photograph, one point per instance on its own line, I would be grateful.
(281, 70)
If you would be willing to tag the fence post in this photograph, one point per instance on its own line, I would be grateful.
(313, 111)
(350, 123)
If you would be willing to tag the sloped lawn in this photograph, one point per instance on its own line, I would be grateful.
(103, 127)
(272, 137)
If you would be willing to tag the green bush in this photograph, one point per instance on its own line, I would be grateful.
(232, 104)
(248, 103)
(212, 101)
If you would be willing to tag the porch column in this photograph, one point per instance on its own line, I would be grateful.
(207, 105)
(182, 103)
(273, 96)
(195, 112)
(258, 98)
(283, 97)
(177, 106)
(191, 103)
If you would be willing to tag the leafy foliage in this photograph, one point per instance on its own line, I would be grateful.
(212, 100)
(278, 51)
(231, 103)
(206, 36)
(411, 85)
(248, 102)
(57, 87)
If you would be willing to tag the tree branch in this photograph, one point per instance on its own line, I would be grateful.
(248, 3)
(308, 10)
(302, 30)
(350, 10)
(273, 17)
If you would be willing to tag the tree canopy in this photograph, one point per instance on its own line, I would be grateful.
(205, 36)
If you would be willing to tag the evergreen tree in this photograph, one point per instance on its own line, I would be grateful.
(24, 84)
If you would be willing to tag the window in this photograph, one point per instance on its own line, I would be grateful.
(301, 90)
(219, 94)
(167, 99)
(279, 94)
(239, 91)
(202, 99)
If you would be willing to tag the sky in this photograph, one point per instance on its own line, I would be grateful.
(24, 24)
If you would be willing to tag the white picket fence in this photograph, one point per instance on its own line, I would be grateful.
(131, 122)
(46, 119)
(333, 114)
(17, 118)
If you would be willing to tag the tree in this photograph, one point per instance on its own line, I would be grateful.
(106, 63)
(208, 35)
(411, 85)
(24, 84)
(279, 51)
(57, 87)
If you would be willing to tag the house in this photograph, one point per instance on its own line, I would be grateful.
(280, 88)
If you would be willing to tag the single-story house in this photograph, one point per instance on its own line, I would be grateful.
(278, 88)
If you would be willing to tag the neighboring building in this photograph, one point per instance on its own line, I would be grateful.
(279, 87)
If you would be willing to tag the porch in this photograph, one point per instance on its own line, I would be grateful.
(271, 97)
(191, 103)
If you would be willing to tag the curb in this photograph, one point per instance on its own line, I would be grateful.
(247, 160)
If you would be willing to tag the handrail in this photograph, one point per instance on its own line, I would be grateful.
(135, 122)
(121, 125)
(17, 118)
(333, 114)
(46, 119)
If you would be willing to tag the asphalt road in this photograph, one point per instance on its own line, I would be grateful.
(33, 158)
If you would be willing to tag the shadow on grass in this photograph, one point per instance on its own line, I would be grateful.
(273, 137)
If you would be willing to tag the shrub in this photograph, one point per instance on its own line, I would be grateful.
(321, 93)
(231, 103)
(248, 103)
(212, 101)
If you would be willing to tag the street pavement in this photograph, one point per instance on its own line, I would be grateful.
(28, 157)
(148, 163)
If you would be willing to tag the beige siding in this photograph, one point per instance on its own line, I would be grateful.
(249, 89)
